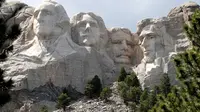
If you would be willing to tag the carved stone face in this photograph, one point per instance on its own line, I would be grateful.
(122, 47)
(45, 18)
(89, 31)
(148, 39)
(150, 42)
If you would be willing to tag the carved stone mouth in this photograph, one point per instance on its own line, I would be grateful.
(124, 56)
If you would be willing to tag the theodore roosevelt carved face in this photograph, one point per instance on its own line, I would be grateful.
(121, 45)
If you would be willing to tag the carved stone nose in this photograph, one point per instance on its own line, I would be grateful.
(87, 27)
(124, 44)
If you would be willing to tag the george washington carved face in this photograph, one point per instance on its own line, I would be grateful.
(46, 19)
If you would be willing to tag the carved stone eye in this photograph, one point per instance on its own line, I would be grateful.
(82, 24)
(151, 37)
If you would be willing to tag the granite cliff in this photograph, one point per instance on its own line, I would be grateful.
(55, 51)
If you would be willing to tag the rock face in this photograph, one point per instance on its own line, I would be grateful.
(54, 49)
(89, 29)
(158, 47)
(160, 40)
(184, 10)
(45, 53)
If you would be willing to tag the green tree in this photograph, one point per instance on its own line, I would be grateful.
(133, 94)
(185, 98)
(96, 82)
(89, 90)
(122, 88)
(132, 80)
(152, 98)
(105, 93)
(7, 35)
(130, 89)
(144, 103)
(93, 88)
(165, 86)
(44, 109)
(63, 101)
(5, 87)
(122, 75)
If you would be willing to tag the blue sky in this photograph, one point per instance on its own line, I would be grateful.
(118, 13)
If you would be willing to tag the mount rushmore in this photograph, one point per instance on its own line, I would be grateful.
(70, 51)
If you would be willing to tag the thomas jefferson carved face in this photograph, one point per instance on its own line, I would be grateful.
(45, 18)
(122, 44)
(89, 31)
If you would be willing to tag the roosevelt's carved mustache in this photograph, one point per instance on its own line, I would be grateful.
(124, 54)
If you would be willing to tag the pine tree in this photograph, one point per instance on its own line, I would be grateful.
(192, 30)
(44, 109)
(5, 35)
(106, 93)
(133, 94)
(93, 88)
(165, 86)
(185, 98)
(122, 75)
(5, 86)
(132, 80)
(96, 82)
(144, 103)
(63, 101)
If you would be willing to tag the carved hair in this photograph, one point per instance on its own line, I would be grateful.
(125, 30)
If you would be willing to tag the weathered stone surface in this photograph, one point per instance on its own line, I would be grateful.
(88, 29)
(184, 10)
(13, 13)
(115, 104)
(157, 44)
(124, 49)
(54, 49)
(121, 44)
(161, 39)
(47, 53)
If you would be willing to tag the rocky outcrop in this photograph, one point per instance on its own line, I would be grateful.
(54, 51)
(47, 53)
(161, 39)
(115, 104)
(184, 10)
